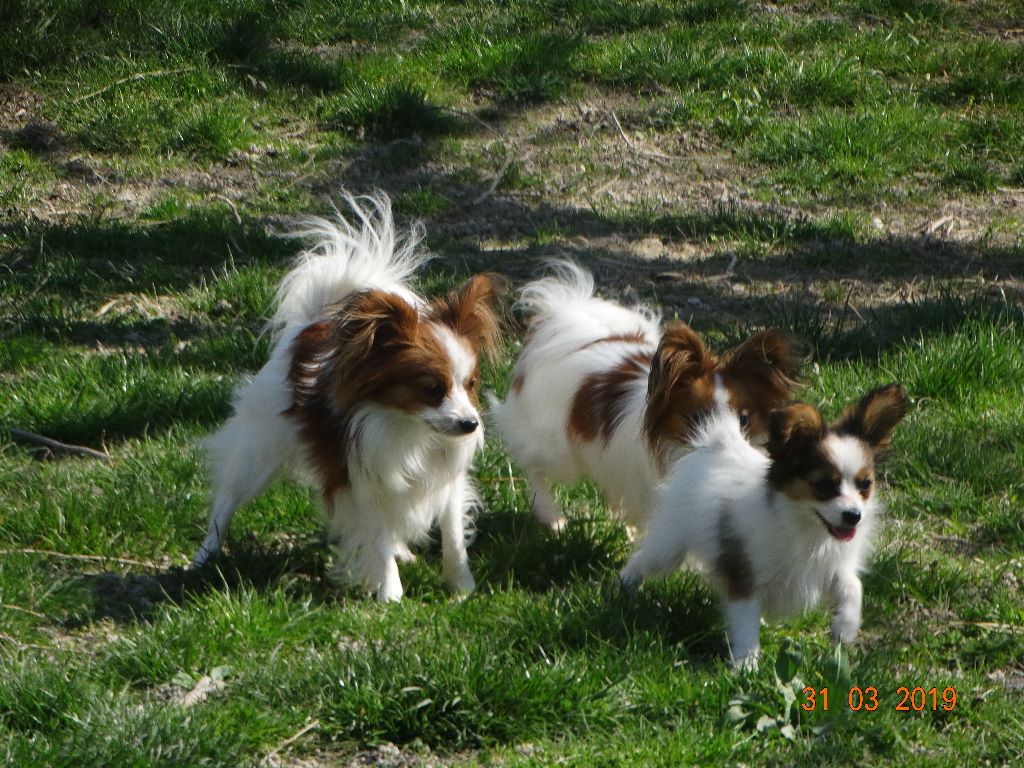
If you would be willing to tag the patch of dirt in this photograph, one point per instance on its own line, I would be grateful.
(18, 108)
(386, 755)
(1009, 678)
(653, 210)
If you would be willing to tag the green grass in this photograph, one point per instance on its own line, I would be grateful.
(138, 261)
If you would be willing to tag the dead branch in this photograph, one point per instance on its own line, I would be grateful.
(56, 445)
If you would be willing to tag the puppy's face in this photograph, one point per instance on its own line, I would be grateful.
(829, 472)
(425, 363)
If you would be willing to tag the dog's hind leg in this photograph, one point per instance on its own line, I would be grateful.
(243, 460)
(545, 508)
(656, 555)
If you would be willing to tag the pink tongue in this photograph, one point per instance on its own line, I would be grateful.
(843, 534)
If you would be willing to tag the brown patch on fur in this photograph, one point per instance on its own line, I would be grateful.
(761, 374)
(470, 313)
(801, 467)
(874, 417)
(636, 337)
(733, 564)
(598, 405)
(323, 429)
(372, 349)
(680, 386)
(864, 480)
(381, 352)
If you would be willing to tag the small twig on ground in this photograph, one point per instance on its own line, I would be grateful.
(131, 79)
(471, 116)
(231, 205)
(632, 145)
(56, 445)
(72, 556)
(291, 740)
(996, 626)
(496, 180)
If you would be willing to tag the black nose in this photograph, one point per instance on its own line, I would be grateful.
(467, 426)
(851, 516)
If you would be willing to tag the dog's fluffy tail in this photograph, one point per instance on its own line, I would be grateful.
(562, 308)
(346, 258)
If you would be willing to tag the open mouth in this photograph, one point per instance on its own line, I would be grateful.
(840, 533)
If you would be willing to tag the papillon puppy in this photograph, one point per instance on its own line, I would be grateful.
(370, 393)
(775, 533)
(600, 391)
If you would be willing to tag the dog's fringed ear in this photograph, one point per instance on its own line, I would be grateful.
(374, 322)
(793, 429)
(874, 417)
(472, 313)
(770, 360)
(681, 357)
(680, 384)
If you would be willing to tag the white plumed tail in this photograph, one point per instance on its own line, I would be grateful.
(568, 284)
(345, 259)
(562, 311)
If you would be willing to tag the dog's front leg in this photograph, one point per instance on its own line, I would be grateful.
(387, 581)
(848, 594)
(744, 619)
(453, 540)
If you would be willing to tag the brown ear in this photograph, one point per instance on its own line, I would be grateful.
(769, 362)
(470, 312)
(373, 321)
(680, 384)
(875, 416)
(681, 356)
(793, 429)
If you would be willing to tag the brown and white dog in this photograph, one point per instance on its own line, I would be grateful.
(371, 393)
(775, 533)
(599, 391)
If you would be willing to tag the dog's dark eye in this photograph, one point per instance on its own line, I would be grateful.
(826, 488)
(744, 418)
(863, 484)
(434, 390)
(470, 385)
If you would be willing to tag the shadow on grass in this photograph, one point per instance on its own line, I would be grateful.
(511, 552)
(247, 563)
(100, 257)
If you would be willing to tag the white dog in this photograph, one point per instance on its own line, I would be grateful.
(775, 533)
(600, 391)
(371, 392)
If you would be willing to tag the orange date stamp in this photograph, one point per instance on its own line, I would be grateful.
(867, 699)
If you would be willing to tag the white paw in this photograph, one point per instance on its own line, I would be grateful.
(460, 582)
(389, 592)
(403, 554)
(845, 628)
(746, 660)
(547, 511)
(630, 579)
(200, 559)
